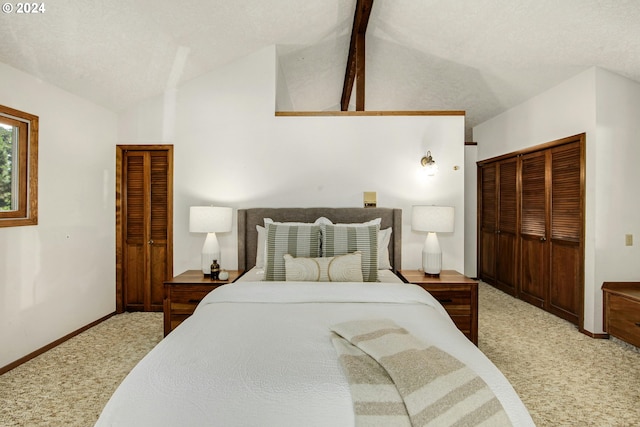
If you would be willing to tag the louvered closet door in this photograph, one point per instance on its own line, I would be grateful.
(533, 229)
(566, 232)
(146, 228)
(488, 224)
(506, 259)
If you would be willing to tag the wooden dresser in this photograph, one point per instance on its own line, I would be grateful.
(183, 293)
(457, 293)
(622, 310)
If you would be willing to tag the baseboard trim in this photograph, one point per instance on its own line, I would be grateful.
(48, 347)
(604, 336)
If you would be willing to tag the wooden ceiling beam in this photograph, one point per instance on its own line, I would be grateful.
(355, 61)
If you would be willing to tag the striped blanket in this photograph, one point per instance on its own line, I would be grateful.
(397, 380)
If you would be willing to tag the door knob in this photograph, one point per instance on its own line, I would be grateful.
(542, 239)
(151, 241)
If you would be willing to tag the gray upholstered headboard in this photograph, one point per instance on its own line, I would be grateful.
(249, 218)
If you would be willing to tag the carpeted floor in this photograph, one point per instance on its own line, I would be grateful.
(564, 377)
(70, 384)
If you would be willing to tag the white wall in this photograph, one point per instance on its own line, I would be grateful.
(231, 150)
(604, 106)
(59, 275)
(616, 179)
(470, 211)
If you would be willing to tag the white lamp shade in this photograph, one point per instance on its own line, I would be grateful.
(210, 219)
(437, 219)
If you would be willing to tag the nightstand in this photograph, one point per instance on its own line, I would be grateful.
(457, 293)
(183, 293)
(622, 310)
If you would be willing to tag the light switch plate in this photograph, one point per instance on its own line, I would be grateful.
(628, 239)
(370, 199)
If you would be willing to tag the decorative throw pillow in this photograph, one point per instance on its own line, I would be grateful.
(297, 240)
(341, 240)
(342, 268)
(262, 236)
(384, 238)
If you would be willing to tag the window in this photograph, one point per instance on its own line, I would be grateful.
(18, 168)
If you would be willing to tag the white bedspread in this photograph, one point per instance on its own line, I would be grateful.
(260, 354)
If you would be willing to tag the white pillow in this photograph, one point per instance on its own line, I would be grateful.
(376, 221)
(260, 252)
(323, 220)
(341, 268)
(327, 221)
(316, 222)
(384, 238)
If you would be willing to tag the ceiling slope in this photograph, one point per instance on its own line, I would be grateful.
(481, 57)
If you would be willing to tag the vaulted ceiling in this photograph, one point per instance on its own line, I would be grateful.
(481, 56)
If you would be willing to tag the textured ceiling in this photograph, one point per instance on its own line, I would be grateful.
(479, 56)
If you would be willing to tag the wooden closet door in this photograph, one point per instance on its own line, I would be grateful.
(533, 229)
(535, 251)
(506, 259)
(488, 222)
(566, 226)
(146, 228)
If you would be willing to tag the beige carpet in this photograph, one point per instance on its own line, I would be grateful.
(565, 378)
(70, 384)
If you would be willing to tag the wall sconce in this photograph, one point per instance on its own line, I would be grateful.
(429, 164)
(210, 220)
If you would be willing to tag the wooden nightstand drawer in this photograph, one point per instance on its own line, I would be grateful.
(188, 295)
(463, 323)
(457, 293)
(183, 293)
(456, 303)
(623, 319)
(183, 301)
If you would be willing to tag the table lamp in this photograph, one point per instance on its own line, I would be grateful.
(432, 219)
(210, 220)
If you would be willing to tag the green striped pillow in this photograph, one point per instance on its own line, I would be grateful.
(297, 240)
(340, 240)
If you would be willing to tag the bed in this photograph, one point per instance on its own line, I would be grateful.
(271, 352)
